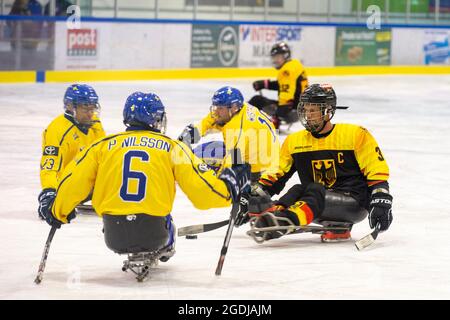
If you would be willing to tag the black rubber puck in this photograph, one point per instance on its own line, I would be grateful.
(191, 236)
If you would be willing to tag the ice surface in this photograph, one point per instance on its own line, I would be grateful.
(408, 115)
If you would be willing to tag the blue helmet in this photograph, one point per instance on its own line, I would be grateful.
(80, 94)
(228, 96)
(212, 153)
(144, 109)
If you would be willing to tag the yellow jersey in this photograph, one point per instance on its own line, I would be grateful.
(135, 172)
(347, 160)
(61, 141)
(252, 132)
(292, 81)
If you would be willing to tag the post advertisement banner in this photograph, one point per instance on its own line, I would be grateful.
(110, 46)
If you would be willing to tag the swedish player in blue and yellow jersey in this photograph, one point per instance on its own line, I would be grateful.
(341, 168)
(132, 177)
(242, 126)
(291, 82)
(69, 133)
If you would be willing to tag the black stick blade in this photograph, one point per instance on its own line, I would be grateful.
(220, 265)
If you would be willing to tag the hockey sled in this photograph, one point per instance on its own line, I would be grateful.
(140, 264)
(257, 234)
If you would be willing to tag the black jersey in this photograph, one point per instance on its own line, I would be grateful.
(346, 160)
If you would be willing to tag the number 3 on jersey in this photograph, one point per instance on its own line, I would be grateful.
(128, 175)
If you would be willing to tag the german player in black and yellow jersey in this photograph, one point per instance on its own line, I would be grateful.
(291, 82)
(68, 134)
(342, 170)
(132, 177)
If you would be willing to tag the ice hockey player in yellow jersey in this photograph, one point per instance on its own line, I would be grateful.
(68, 134)
(242, 126)
(291, 82)
(132, 175)
(342, 171)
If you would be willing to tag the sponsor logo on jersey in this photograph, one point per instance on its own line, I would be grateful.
(251, 113)
(324, 172)
(203, 167)
(302, 147)
(51, 151)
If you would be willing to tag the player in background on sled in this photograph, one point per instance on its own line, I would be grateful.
(290, 83)
(67, 135)
(242, 126)
(343, 174)
(133, 175)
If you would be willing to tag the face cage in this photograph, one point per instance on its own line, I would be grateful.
(161, 123)
(73, 113)
(285, 58)
(213, 109)
(325, 110)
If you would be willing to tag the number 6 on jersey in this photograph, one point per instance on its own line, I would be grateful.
(125, 194)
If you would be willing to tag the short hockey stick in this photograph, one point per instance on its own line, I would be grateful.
(200, 228)
(45, 255)
(368, 240)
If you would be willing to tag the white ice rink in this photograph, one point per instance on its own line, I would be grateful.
(408, 115)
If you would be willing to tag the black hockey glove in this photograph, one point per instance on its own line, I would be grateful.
(46, 199)
(259, 203)
(237, 179)
(260, 84)
(242, 216)
(380, 210)
(250, 203)
(189, 135)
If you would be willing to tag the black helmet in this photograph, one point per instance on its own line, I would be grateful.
(281, 48)
(319, 93)
(323, 96)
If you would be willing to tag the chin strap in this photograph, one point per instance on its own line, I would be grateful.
(321, 127)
